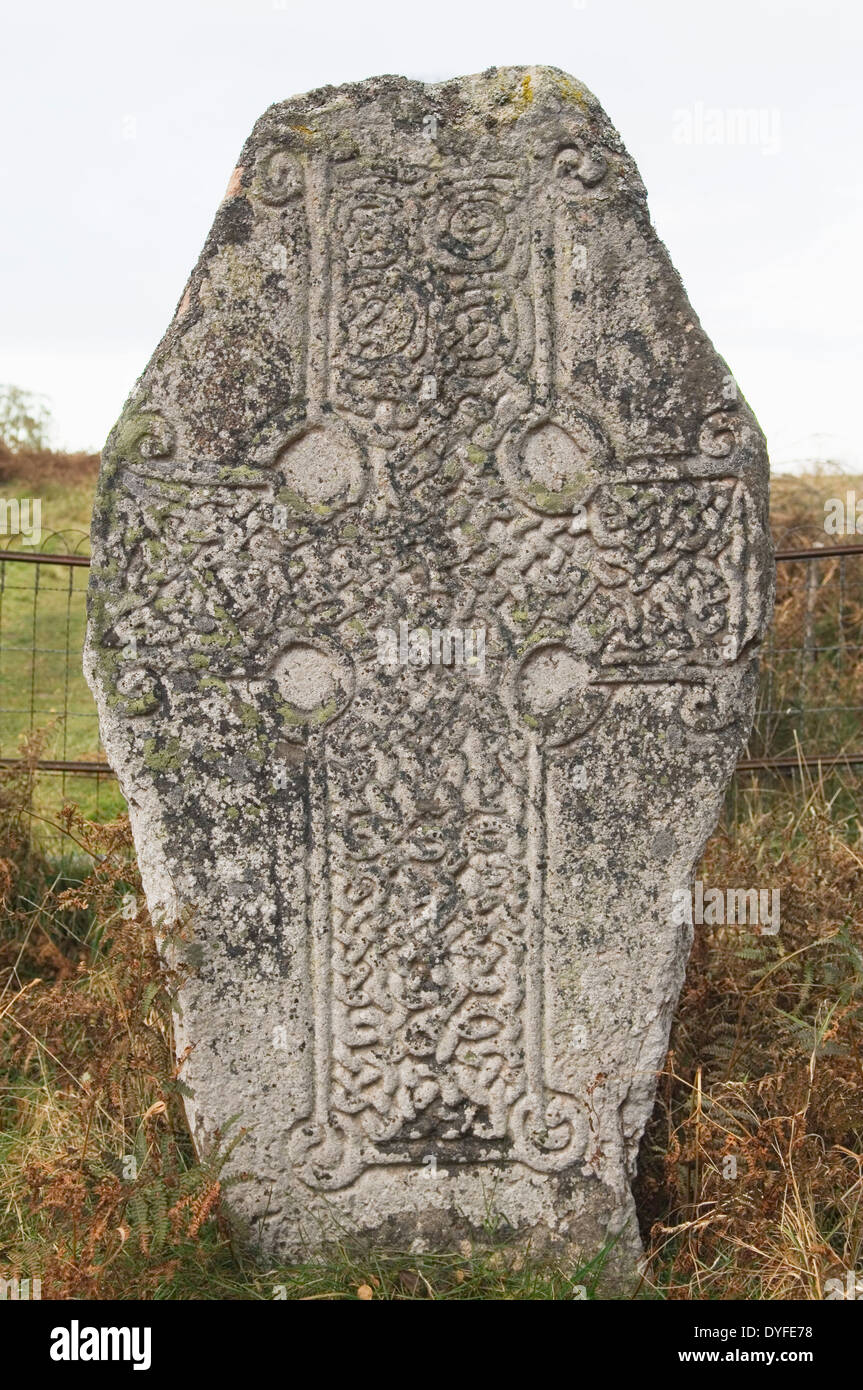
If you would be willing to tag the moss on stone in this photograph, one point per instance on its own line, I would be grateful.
(214, 683)
(169, 757)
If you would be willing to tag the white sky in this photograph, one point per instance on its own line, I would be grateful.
(121, 124)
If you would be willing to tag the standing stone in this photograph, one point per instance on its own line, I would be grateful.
(430, 568)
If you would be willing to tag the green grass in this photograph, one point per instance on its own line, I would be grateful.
(42, 623)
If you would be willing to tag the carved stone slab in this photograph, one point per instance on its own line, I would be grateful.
(430, 568)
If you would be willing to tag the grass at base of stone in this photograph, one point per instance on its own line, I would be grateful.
(362, 1276)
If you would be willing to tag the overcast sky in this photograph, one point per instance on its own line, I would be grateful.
(121, 124)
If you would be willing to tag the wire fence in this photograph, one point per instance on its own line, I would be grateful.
(45, 703)
(811, 693)
(809, 708)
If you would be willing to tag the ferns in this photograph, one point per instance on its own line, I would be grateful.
(110, 1182)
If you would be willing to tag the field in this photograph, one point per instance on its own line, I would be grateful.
(751, 1179)
(42, 618)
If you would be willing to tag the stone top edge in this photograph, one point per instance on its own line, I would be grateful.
(526, 84)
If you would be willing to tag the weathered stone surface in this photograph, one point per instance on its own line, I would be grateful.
(433, 374)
